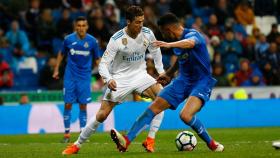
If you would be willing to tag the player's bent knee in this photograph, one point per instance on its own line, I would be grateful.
(186, 117)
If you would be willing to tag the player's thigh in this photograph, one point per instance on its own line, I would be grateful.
(69, 93)
(152, 91)
(122, 90)
(144, 82)
(203, 88)
(83, 91)
(174, 93)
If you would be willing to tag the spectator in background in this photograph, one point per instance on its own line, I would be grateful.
(219, 74)
(163, 7)
(46, 73)
(181, 13)
(111, 17)
(212, 28)
(64, 25)
(24, 99)
(18, 40)
(247, 75)
(6, 75)
(261, 47)
(272, 59)
(271, 37)
(31, 18)
(223, 11)
(231, 50)
(46, 30)
(244, 13)
(263, 8)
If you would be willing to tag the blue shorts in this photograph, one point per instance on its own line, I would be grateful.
(77, 91)
(178, 90)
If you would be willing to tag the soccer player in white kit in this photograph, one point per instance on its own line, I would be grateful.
(123, 68)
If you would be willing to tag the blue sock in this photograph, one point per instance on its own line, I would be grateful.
(83, 118)
(199, 128)
(141, 123)
(67, 120)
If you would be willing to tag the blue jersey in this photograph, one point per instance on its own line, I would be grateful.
(194, 63)
(80, 53)
(194, 77)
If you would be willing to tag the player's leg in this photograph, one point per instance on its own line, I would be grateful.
(91, 127)
(200, 94)
(69, 99)
(93, 124)
(149, 143)
(83, 116)
(168, 98)
(67, 122)
(83, 97)
(122, 142)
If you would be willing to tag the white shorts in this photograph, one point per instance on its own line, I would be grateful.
(125, 86)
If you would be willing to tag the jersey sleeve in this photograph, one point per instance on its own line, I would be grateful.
(96, 50)
(193, 36)
(107, 59)
(156, 53)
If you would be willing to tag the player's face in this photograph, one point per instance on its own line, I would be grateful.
(167, 32)
(81, 27)
(136, 25)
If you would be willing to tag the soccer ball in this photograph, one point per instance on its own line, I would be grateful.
(185, 141)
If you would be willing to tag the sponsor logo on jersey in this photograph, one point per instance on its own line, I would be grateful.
(86, 45)
(74, 43)
(79, 52)
(134, 57)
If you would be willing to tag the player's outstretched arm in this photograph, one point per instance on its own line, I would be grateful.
(59, 58)
(166, 77)
(184, 44)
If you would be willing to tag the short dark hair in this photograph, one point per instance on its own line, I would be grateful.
(80, 18)
(168, 18)
(132, 12)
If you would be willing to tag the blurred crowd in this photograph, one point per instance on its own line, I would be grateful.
(242, 36)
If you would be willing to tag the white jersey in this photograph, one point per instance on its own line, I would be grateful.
(125, 57)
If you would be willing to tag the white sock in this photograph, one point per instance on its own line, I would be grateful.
(90, 128)
(155, 124)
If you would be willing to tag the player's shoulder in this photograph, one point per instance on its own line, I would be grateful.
(118, 35)
(70, 36)
(91, 38)
(146, 30)
(193, 32)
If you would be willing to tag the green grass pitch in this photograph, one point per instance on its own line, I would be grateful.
(238, 142)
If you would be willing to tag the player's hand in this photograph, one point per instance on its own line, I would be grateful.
(112, 85)
(161, 44)
(55, 74)
(163, 79)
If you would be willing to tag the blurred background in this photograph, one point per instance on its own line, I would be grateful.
(242, 37)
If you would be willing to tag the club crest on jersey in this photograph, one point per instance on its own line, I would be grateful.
(124, 41)
(86, 45)
(145, 43)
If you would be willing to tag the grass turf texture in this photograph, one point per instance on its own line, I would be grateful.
(238, 142)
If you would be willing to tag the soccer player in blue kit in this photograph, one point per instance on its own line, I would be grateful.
(194, 82)
(80, 49)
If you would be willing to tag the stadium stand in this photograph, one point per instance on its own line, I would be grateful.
(42, 26)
